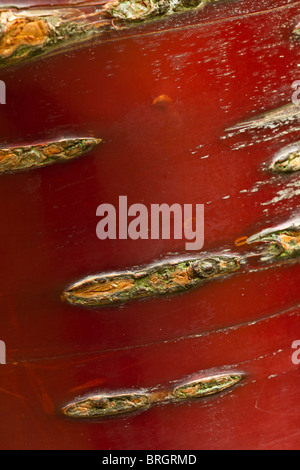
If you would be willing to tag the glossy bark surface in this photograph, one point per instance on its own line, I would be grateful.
(218, 67)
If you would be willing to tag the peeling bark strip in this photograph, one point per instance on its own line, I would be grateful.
(206, 386)
(156, 280)
(99, 406)
(36, 156)
(284, 241)
(141, 10)
(288, 160)
(27, 33)
(283, 114)
(297, 30)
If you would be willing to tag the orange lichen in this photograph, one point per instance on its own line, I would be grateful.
(284, 241)
(154, 279)
(97, 406)
(53, 149)
(206, 386)
(287, 240)
(23, 32)
(7, 158)
(35, 156)
(181, 277)
(164, 278)
(107, 405)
